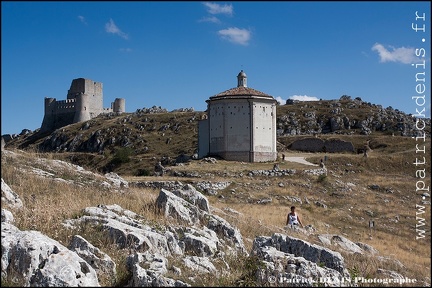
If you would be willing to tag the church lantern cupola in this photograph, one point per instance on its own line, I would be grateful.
(241, 79)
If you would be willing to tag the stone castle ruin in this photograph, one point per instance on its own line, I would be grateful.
(84, 102)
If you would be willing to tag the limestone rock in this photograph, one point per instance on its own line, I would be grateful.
(42, 261)
(200, 264)
(152, 275)
(200, 242)
(6, 216)
(116, 180)
(100, 261)
(173, 206)
(367, 248)
(301, 248)
(342, 242)
(281, 267)
(10, 197)
(390, 274)
(190, 194)
(227, 232)
(126, 230)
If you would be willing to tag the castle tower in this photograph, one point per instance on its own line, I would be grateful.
(93, 89)
(119, 105)
(82, 112)
(49, 114)
(240, 125)
(241, 79)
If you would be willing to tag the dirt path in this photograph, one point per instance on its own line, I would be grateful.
(300, 160)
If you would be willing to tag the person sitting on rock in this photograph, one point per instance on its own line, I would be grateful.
(293, 218)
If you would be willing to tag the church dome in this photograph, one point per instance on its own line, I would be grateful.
(241, 91)
(241, 74)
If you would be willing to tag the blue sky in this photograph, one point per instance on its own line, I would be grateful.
(178, 54)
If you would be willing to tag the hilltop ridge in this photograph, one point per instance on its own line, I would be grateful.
(150, 135)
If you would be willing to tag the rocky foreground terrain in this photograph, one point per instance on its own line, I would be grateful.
(179, 239)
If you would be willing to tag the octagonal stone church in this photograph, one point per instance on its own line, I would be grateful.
(240, 125)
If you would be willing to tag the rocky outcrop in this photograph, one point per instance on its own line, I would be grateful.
(116, 180)
(227, 232)
(126, 229)
(100, 261)
(285, 269)
(153, 274)
(341, 242)
(297, 263)
(42, 261)
(341, 117)
(198, 245)
(201, 242)
(191, 195)
(175, 207)
(301, 248)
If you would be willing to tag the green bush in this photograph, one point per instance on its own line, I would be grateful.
(143, 172)
(121, 156)
(322, 178)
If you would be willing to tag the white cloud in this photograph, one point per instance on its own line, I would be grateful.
(214, 8)
(402, 54)
(280, 100)
(111, 27)
(236, 35)
(82, 19)
(296, 97)
(212, 19)
(303, 98)
(126, 50)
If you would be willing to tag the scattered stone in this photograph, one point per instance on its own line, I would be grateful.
(374, 187)
(265, 201)
(116, 180)
(342, 242)
(367, 248)
(320, 204)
